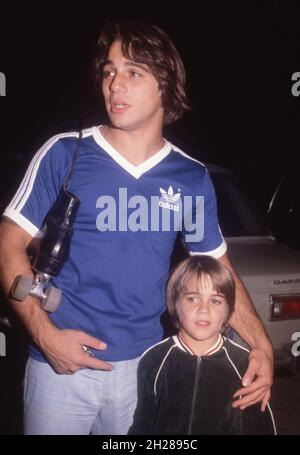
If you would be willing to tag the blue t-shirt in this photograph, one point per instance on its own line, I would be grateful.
(129, 217)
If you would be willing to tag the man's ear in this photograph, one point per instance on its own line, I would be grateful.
(159, 91)
(161, 100)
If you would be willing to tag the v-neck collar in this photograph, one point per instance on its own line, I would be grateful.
(135, 171)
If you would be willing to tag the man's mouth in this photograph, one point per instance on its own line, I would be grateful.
(118, 106)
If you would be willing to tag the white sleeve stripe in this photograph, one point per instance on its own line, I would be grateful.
(217, 253)
(24, 184)
(29, 180)
(162, 364)
(233, 365)
(176, 149)
(238, 345)
(153, 346)
(272, 418)
(236, 370)
(27, 183)
(21, 221)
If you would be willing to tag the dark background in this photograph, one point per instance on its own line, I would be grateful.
(239, 57)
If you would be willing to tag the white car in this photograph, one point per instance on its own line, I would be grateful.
(269, 269)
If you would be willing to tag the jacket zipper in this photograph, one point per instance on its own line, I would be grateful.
(194, 395)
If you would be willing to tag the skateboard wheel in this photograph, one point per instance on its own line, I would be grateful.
(52, 300)
(21, 287)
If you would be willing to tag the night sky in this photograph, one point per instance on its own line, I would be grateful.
(239, 58)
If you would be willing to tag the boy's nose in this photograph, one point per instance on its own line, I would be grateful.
(203, 307)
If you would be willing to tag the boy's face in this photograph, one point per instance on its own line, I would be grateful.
(202, 312)
(131, 92)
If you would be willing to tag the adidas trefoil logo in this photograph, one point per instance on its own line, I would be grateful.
(169, 200)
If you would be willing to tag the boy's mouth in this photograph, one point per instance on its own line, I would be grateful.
(203, 323)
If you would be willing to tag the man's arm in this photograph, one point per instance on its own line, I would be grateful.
(63, 348)
(246, 322)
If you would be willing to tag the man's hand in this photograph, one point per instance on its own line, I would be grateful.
(64, 350)
(257, 381)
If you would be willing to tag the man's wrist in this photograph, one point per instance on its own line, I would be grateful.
(266, 348)
(43, 331)
(35, 319)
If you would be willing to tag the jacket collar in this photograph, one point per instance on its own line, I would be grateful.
(184, 347)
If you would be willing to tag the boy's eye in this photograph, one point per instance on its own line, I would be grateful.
(216, 301)
(192, 299)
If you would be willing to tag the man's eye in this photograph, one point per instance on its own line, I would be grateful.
(108, 73)
(134, 74)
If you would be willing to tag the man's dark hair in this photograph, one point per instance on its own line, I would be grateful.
(151, 46)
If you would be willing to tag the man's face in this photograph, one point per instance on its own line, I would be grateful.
(202, 312)
(131, 93)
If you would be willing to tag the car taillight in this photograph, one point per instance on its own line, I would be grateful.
(285, 307)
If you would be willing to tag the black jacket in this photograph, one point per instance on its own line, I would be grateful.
(180, 393)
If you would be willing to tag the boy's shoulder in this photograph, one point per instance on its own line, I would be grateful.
(237, 354)
(156, 353)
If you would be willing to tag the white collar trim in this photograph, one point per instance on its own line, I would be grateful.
(135, 171)
(183, 346)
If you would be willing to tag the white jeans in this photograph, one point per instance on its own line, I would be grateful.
(89, 401)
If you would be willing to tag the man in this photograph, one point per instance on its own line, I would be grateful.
(136, 192)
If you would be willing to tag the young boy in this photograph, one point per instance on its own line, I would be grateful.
(186, 382)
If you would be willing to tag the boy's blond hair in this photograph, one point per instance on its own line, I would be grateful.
(199, 266)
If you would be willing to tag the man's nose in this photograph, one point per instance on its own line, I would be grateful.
(118, 83)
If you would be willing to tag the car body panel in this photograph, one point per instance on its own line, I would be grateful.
(266, 267)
